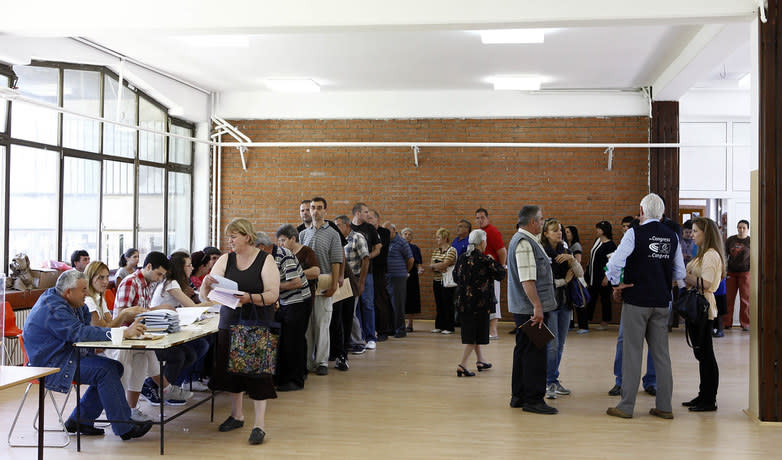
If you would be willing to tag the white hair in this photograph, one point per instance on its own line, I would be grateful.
(653, 206)
(68, 280)
(476, 237)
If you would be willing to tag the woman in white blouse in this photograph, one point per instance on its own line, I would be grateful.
(97, 274)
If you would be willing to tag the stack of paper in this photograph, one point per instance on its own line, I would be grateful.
(189, 315)
(160, 320)
(225, 297)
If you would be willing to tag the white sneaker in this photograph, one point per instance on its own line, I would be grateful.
(177, 393)
(138, 416)
(435, 331)
(371, 345)
(196, 385)
(446, 332)
(551, 391)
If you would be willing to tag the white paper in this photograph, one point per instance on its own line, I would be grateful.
(223, 298)
(189, 315)
(224, 283)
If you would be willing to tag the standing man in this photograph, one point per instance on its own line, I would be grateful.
(400, 261)
(80, 259)
(495, 248)
(737, 250)
(325, 241)
(357, 260)
(383, 312)
(642, 271)
(365, 310)
(306, 217)
(530, 297)
(463, 229)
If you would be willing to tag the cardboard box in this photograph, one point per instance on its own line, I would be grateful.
(44, 278)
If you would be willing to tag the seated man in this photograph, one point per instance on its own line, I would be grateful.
(59, 319)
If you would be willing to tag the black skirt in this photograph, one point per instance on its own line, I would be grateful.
(257, 388)
(475, 328)
(413, 299)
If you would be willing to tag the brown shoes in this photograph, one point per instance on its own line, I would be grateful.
(658, 413)
(615, 412)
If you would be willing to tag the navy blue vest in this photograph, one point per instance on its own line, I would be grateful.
(650, 266)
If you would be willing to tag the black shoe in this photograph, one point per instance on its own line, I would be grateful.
(482, 366)
(704, 408)
(230, 424)
(137, 431)
(382, 338)
(400, 334)
(693, 402)
(615, 391)
(86, 430)
(651, 390)
(409, 329)
(257, 435)
(322, 370)
(358, 350)
(342, 364)
(290, 386)
(516, 402)
(461, 371)
(539, 408)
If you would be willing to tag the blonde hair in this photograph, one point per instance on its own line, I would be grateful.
(92, 270)
(711, 240)
(443, 233)
(242, 226)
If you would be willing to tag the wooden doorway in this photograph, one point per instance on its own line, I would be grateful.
(690, 212)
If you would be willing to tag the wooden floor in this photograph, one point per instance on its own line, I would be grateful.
(404, 401)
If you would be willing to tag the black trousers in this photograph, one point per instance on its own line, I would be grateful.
(702, 346)
(528, 381)
(383, 311)
(340, 327)
(292, 351)
(177, 359)
(602, 293)
(444, 302)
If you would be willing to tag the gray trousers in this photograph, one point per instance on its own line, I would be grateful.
(355, 333)
(397, 289)
(650, 323)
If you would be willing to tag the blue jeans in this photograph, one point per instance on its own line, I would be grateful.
(366, 309)
(199, 348)
(649, 380)
(105, 392)
(559, 323)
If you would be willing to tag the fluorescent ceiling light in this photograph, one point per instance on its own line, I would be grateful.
(216, 41)
(503, 36)
(746, 81)
(292, 85)
(517, 83)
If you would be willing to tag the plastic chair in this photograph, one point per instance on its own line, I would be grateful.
(110, 295)
(12, 333)
(58, 409)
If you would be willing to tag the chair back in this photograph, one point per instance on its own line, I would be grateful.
(110, 295)
(11, 329)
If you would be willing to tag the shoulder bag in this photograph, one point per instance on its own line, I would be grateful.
(254, 345)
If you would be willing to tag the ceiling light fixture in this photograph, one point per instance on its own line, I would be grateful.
(292, 85)
(516, 83)
(508, 36)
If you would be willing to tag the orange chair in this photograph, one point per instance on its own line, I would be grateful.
(110, 295)
(12, 333)
(60, 409)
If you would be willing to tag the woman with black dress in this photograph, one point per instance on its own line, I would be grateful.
(595, 274)
(413, 299)
(259, 280)
(475, 274)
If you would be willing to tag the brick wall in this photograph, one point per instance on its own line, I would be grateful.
(449, 183)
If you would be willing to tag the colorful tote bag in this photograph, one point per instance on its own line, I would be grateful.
(254, 346)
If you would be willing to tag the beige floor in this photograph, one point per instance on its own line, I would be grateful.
(404, 401)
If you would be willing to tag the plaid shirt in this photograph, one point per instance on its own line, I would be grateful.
(133, 290)
(356, 250)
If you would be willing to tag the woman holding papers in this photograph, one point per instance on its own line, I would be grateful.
(258, 280)
(172, 291)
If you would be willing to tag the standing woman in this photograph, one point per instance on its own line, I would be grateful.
(443, 256)
(127, 264)
(413, 300)
(573, 242)
(564, 267)
(737, 250)
(709, 266)
(598, 284)
(259, 280)
(475, 274)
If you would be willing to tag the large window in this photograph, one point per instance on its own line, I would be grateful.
(80, 206)
(33, 203)
(77, 183)
(82, 94)
(31, 122)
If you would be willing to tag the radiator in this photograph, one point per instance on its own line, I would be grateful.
(12, 345)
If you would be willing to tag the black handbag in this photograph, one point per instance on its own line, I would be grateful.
(692, 305)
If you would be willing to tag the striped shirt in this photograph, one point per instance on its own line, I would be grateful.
(326, 244)
(438, 255)
(356, 250)
(290, 270)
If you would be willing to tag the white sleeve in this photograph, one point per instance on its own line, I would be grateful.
(90, 303)
(174, 284)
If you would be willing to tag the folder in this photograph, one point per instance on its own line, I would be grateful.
(539, 336)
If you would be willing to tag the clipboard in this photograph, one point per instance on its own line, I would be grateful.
(539, 336)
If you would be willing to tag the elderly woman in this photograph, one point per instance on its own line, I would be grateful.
(475, 274)
(443, 256)
(413, 299)
(259, 280)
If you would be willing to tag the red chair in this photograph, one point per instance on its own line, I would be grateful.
(12, 333)
(110, 295)
(21, 442)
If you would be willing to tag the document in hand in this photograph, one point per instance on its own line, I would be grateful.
(343, 292)
(225, 297)
(225, 283)
(540, 336)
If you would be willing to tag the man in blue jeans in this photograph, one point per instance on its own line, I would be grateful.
(58, 320)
